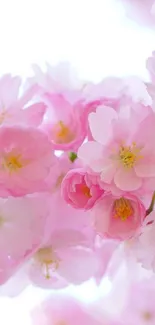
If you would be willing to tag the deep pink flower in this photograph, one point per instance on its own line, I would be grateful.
(65, 216)
(124, 151)
(80, 189)
(118, 217)
(25, 160)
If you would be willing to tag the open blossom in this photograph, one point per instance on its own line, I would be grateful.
(64, 259)
(23, 223)
(64, 123)
(123, 151)
(16, 109)
(80, 189)
(118, 217)
(25, 160)
(116, 92)
(61, 309)
(65, 119)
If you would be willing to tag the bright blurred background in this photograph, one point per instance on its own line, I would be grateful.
(98, 39)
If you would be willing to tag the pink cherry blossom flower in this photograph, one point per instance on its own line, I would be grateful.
(123, 151)
(80, 189)
(65, 257)
(105, 249)
(58, 78)
(116, 92)
(142, 12)
(65, 123)
(65, 215)
(142, 246)
(63, 310)
(118, 217)
(25, 160)
(16, 108)
(66, 119)
(23, 223)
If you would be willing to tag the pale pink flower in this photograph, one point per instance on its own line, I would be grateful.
(63, 310)
(118, 217)
(25, 160)
(150, 65)
(65, 122)
(23, 224)
(65, 257)
(58, 78)
(80, 189)
(123, 151)
(140, 11)
(143, 245)
(116, 92)
(105, 249)
(17, 108)
(66, 119)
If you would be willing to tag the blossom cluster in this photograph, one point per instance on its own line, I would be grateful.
(77, 177)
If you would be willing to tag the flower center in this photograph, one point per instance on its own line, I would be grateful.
(12, 162)
(85, 190)
(48, 260)
(63, 133)
(122, 209)
(147, 316)
(1, 221)
(2, 116)
(129, 155)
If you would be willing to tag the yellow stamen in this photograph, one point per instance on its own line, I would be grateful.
(2, 116)
(63, 133)
(12, 162)
(147, 316)
(1, 221)
(85, 190)
(122, 209)
(129, 155)
(48, 260)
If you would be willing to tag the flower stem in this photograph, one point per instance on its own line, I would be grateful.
(150, 209)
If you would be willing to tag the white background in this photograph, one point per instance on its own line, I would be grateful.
(98, 40)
